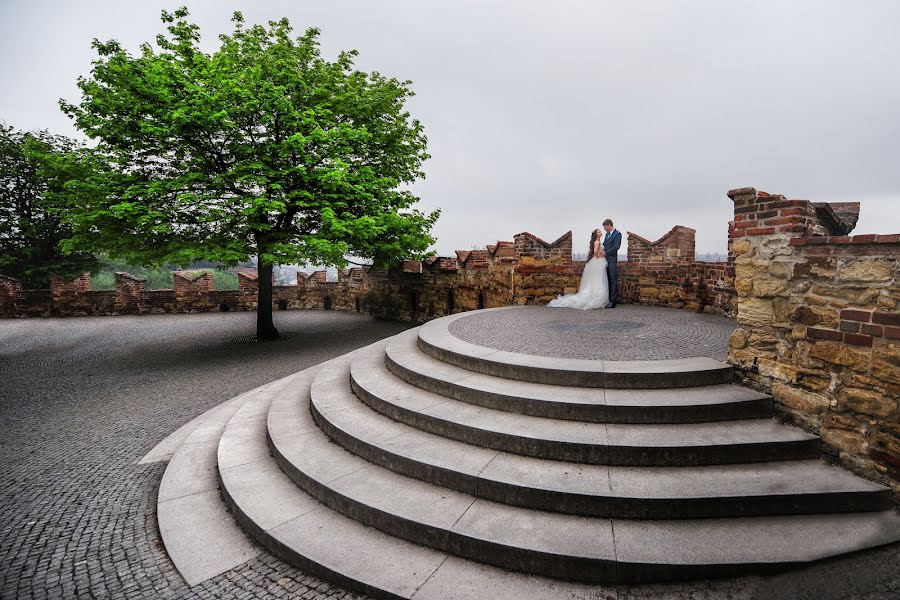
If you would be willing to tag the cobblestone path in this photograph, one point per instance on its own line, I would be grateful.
(82, 400)
(626, 332)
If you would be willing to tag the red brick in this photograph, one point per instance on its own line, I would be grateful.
(818, 240)
(856, 315)
(744, 217)
(790, 204)
(779, 221)
(823, 334)
(767, 214)
(789, 212)
(886, 318)
(792, 229)
(865, 239)
(761, 231)
(875, 330)
(858, 340)
(892, 333)
(841, 239)
(746, 224)
(889, 239)
(850, 326)
(797, 242)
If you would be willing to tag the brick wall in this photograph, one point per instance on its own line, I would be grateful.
(666, 273)
(676, 245)
(527, 270)
(818, 314)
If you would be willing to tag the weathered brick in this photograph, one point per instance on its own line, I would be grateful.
(856, 315)
(850, 326)
(886, 318)
(823, 334)
(858, 339)
(874, 330)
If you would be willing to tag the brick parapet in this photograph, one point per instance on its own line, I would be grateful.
(818, 315)
(678, 244)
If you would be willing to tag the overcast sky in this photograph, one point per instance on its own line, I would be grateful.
(551, 116)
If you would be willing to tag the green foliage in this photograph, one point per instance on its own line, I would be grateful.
(225, 280)
(157, 278)
(34, 168)
(261, 148)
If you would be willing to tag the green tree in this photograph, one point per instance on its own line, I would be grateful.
(261, 148)
(34, 168)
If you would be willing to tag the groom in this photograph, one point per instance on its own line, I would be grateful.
(611, 242)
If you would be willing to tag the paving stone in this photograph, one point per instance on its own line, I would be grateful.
(83, 400)
(77, 513)
(628, 332)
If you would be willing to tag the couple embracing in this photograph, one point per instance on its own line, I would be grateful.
(599, 286)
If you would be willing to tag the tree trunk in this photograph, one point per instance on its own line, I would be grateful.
(265, 327)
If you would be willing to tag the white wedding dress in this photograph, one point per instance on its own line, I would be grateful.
(593, 291)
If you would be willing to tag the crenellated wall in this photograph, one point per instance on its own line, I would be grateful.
(667, 273)
(818, 323)
(527, 270)
(817, 311)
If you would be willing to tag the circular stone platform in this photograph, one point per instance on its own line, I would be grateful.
(628, 332)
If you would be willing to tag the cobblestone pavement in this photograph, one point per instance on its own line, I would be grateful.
(83, 399)
(627, 332)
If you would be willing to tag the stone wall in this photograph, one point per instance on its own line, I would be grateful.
(818, 315)
(527, 270)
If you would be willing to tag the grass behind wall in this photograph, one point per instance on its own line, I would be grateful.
(159, 279)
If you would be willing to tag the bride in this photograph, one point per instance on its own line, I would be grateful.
(593, 292)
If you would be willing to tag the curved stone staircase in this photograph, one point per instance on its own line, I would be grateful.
(422, 464)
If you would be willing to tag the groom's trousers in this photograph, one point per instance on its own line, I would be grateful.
(612, 275)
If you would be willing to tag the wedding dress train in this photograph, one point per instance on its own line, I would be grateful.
(593, 291)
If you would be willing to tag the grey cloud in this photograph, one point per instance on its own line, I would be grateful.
(552, 116)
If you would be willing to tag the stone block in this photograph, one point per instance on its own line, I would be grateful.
(738, 339)
(808, 315)
(777, 370)
(816, 266)
(781, 308)
(885, 302)
(781, 268)
(740, 247)
(767, 287)
(854, 295)
(865, 401)
(886, 362)
(744, 286)
(774, 245)
(888, 444)
(755, 312)
(838, 353)
(867, 270)
(843, 440)
(809, 403)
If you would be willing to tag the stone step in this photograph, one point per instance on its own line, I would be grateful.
(784, 487)
(547, 543)
(610, 405)
(300, 530)
(718, 442)
(435, 339)
(189, 510)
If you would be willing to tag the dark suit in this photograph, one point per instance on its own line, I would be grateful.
(611, 243)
